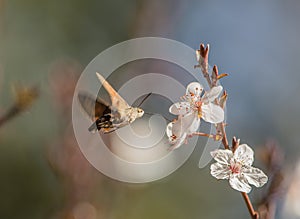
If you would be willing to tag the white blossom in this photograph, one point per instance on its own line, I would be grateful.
(180, 129)
(237, 168)
(201, 107)
(191, 110)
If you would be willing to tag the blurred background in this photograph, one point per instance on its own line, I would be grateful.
(49, 43)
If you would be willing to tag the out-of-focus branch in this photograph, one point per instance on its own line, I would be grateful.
(273, 158)
(79, 178)
(24, 98)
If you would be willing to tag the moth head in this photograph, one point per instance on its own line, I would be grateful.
(140, 112)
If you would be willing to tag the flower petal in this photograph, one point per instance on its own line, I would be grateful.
(244, 154)
(222, 156)
(169, 129)
(239, 183)
(187, 120)
(177, 132)
(194, 126)
(194, 89)
(180, 108)
(220, 171)
(179, 142)
(174, 129)
(254, 176)
(212, 94)
(212, 113)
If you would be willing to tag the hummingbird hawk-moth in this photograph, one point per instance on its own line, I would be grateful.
(108, 117)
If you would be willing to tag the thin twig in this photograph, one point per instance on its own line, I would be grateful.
(251, 210)
(202, 55)
(11, 113)
(220, 126)
(216, 137)
(224, 136)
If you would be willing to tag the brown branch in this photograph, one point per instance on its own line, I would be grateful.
(224, 135)
(235, 143)
(254, 214)
(202, 56)
(216, 137)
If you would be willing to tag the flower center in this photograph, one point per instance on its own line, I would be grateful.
(198, 105)
(235, 167)
(192, 94)
(173, 137)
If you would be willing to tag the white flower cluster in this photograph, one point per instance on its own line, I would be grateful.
(234, 166)
(191, 111)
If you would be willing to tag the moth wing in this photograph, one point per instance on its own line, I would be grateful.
(93, 107)
(114, 128)
(97, 109)
(106, 127)
(118, 103)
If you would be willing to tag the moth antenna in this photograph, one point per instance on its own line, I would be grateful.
(145, 98)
